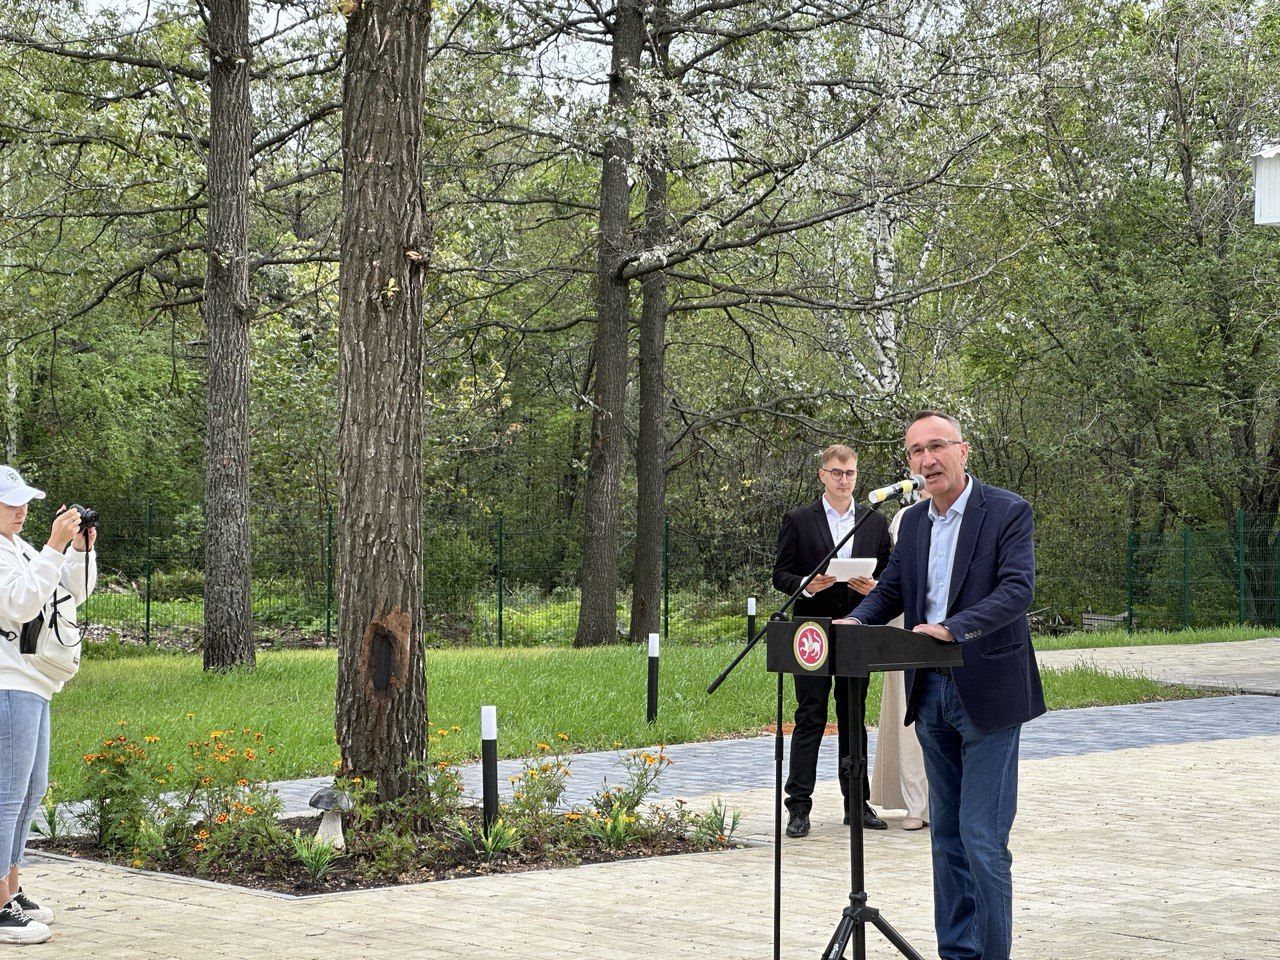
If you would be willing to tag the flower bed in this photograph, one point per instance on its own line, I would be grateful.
(207, 815)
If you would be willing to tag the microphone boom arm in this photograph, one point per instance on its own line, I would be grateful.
(777, 614)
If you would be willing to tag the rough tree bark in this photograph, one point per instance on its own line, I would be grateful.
(228, 614)
(598, 576)
(381, 698)
(651, 445)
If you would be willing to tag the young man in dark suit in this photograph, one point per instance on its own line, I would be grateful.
(807, 534)
(963, 572)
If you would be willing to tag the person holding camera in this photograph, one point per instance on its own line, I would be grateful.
(39, 651)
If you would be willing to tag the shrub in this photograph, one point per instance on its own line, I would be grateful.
(180, 583)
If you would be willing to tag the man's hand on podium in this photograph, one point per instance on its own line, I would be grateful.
(935, 630)
(848, 620)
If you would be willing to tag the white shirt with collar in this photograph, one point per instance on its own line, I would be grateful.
(840, 524)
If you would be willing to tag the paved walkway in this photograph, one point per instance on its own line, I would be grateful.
(1145, 831)
(1249, 666)
(728, 766)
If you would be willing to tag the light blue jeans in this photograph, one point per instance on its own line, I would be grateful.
(973, 796)
(24, 769)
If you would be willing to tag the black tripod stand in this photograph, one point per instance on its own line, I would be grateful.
(855, 917)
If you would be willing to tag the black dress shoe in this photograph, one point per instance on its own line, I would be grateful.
(798, 826)
(871, 822)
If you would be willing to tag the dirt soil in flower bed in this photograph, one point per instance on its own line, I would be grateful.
(282, 873)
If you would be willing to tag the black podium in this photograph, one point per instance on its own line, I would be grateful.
(817, 647)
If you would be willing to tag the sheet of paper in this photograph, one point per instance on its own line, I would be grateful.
(845, 569)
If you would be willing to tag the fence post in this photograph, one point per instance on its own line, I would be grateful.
(328, 577)
(1277, 571)
(1240, 560)
(146, 630)
(1186, 577)
(666, 578)
(1133, 539)
(501, 585)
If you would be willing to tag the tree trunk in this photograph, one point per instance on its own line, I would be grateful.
(598, 575)
(381, 699)
(228, 613)
(651, 447)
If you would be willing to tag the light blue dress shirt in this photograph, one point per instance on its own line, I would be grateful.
(942, 554)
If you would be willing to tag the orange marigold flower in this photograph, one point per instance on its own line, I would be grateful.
(221, 818)
(249, 754)
(249, 811)
(242, 782)
(203, 834)
(199, 846)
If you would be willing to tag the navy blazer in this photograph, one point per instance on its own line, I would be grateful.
(805, 538)
(991, 585)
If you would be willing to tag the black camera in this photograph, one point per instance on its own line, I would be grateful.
(88, 516)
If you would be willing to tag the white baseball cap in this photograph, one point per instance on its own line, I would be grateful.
(14, 490)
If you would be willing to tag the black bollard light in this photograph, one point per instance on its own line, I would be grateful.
(651, 713)
(489, 763)
(751, 618)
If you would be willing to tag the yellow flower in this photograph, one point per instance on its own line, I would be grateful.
(137, 863)
(249, 754)
(203, 834)
(573, 816)
(221, 818)
(199, 846)
(122, 723)
(151, 738)
(242, 782)
(442, 732)
(544, 747)
(563, 736)
(455, 728)
(190, 715)
(357, 779)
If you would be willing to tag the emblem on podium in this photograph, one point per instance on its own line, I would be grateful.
(810, 645)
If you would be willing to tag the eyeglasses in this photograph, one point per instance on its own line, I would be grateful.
(935, 447)
(839, 475)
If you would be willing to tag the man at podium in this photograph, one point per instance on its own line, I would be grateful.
(963, 571)
(808, 533)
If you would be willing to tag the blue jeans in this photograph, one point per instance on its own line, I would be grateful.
(24, 769)
(973, 796)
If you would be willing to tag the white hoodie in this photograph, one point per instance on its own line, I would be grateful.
(27, 581)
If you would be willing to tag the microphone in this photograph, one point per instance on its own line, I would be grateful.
(899, 489)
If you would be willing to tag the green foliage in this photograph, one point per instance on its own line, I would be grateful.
(501, 837)
(318, 857)
(177, 583)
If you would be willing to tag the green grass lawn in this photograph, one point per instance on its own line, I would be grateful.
(1144, 638)
(597, 697)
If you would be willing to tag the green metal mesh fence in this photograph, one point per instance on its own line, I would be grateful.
(495, 579)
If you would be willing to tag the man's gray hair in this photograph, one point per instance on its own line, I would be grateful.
(926, 414)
